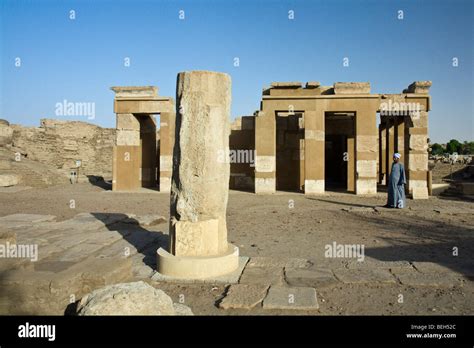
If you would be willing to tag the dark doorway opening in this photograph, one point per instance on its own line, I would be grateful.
(289, 152)
(339, 151)
(149, 152)
(335, 167)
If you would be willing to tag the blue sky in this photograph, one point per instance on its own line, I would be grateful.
(79, 60)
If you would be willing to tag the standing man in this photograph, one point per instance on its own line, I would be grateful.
(396, 184)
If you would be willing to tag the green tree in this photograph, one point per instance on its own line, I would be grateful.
(468, 148)
(437, 149)
(453, 146)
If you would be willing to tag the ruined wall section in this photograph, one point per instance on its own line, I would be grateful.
(60, 143)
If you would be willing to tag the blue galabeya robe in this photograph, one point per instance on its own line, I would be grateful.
(396, 186)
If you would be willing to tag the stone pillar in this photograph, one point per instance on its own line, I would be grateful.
(265, 148)
(390, 144)
(314, 138)
(418, 156)
(126, 171)
(351, 172)
(382, 153)
(366, 150)
(416, 138)
(200, 180)
(167, 130)
(400, 138)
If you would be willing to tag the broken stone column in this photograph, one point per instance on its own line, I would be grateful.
(200, 181)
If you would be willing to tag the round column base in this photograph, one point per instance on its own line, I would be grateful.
(197, 267)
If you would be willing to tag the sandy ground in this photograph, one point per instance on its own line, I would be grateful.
(291, 225)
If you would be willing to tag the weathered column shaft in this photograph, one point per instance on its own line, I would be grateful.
(201, 168)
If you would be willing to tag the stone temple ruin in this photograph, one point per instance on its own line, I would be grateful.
(308, 139)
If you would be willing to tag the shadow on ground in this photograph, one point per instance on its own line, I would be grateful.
(424, 240)
(146, 242)
(99, 182)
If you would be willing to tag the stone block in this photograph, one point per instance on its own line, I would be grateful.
(313, 277)
(265, 164)
(364, 276)
(312, 84)
(128, 122)
(7, 180)
(244, 296)
(366, 143)
(313, 187)
(262, 275)
(352, 88)
(366, 168)
(286, 85)
(318, 135)
(265, 185)
(420, 120)
(418, 142)
(420, 193)
(366, 186)
(135, 92)
(419, 87)
(127, 137)
(301, 298)
(198, 238)
(166, 163)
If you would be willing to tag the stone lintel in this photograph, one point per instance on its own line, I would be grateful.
(322, 96)
(352, 88)
(143, 106)
(135, 91)
(286, 85)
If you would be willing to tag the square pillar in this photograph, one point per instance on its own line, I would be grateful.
(167, 136)
(390, 144)
(314, 138)
(265, 148)
(399, 125)
(126, 166)
(417, 157)
(351, 172)
(366, 150)
(382, 153)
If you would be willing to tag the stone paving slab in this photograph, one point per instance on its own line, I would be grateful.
(261, 261)
(244, 296)
(415, 278)
(15, 219)
(300, 298)
(365, 275)
(313, 277)
(263, 275)
(463, 268)
(372, 263)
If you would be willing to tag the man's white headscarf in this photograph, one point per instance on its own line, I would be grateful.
(397, 155)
